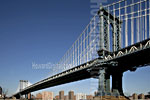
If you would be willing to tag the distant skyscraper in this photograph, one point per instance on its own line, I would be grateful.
(47, 95)
(71, 95)
(61, 95)
(80, 96)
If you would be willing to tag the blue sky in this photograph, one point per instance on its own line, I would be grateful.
(41, 31)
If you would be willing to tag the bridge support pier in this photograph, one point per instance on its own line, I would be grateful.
(26, 96)
(104, 83)
(107, 81)
(117, 83)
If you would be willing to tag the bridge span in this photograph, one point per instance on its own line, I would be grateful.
(116, 40)
(116, 63)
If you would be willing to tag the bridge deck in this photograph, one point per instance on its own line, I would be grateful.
(128, 58)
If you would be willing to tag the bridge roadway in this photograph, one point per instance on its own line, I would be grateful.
(128, 58)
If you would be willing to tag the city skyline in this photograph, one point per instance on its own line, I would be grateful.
(39, 31)
(71, 95)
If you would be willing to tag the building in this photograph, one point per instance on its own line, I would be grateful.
(80, 96)
(74, 97)
(29, 96)
(71, 95)
(39, 96)
(135, 96)
(66, 97)
(61, 95)
(57, 97)
(33, 97)
(141, 96)
(46, 95)
(89, 97)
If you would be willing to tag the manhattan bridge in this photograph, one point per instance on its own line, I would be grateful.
(116, 40)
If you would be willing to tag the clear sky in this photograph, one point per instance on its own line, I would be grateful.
(41, 31)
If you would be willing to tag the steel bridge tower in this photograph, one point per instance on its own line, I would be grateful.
(106, 20)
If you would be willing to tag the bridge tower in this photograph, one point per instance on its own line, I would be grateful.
(23, 84)
(108, 20)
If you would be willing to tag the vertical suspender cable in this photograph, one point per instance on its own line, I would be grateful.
(78, 50)
(120, 27)
(146, 19)
(132, 24)
(149, 18)
(141, 21)
(138, 23)
(86, 46)
(126, 25)
(108, 31)
(114, 33)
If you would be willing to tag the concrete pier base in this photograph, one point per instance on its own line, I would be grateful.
(104, 83)
(117, 84)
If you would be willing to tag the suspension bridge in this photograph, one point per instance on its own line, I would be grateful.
(117, 39)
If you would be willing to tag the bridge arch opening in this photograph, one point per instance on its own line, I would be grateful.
(137, 81)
